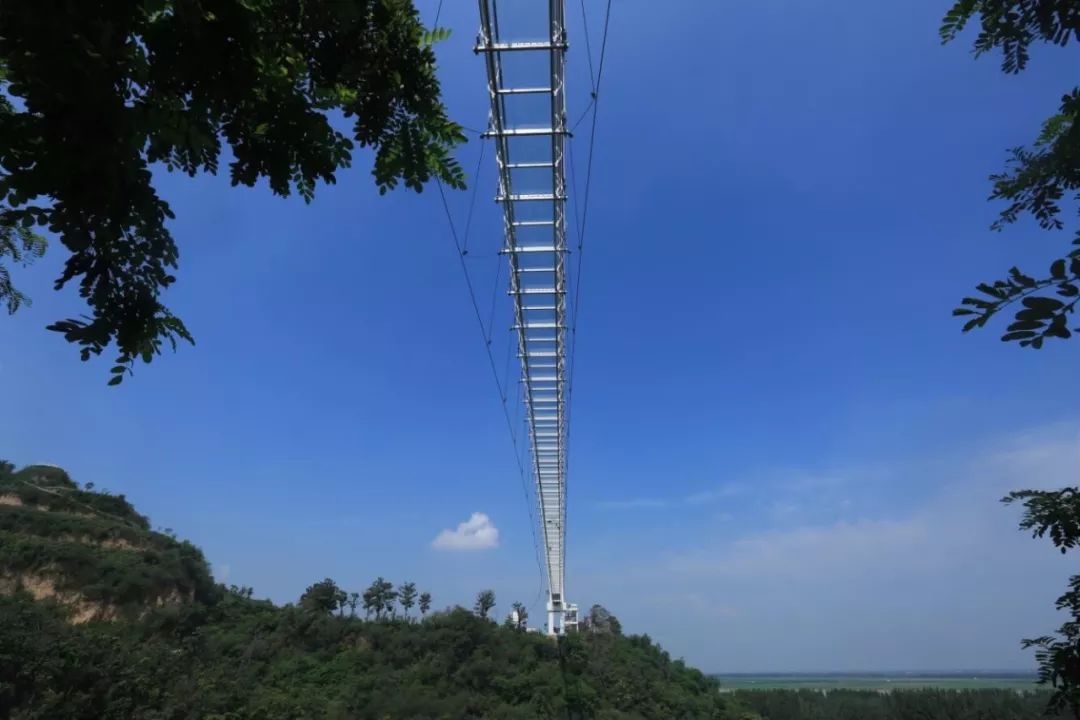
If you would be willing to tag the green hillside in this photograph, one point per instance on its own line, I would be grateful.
(90, 549)
(100, 617)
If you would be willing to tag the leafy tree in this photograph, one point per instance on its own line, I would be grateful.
(602, 622)
(485, 601)
(19, 245)
(379, 597)
(370, 599)
(425, 602)
(323, 597)
(94, 95)
(407, 596)
(1037, 178)
(389, 597)
(242, 591)
(373, 598)
(1057, 513)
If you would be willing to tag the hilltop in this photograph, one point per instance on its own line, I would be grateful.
(102, 617)
(89, 550)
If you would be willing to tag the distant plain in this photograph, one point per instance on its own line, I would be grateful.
(960, 680)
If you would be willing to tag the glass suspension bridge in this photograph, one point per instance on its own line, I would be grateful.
(525, 62)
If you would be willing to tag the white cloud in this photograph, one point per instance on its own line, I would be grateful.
(710, 496)
(476, 533)
(704, 497)
(633, 503)
(943, 582)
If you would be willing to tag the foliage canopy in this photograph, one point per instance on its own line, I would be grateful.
(1038, 179)
(96, 95)
(1057, 513)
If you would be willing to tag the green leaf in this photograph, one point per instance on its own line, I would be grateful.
(1043, 304)
(1031, 315)
(434, 35)
(1057, 269)
(992, 291)
(116, 379)
(975, 322)
(977, 302)
(1021, 278)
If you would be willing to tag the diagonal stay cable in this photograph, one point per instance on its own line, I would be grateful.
(472, 206)
(476, 311)
(491, 358)
(588, 45)
(592, 75)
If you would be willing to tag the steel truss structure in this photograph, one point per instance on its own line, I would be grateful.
(527, 87)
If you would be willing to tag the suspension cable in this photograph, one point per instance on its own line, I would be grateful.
(487, 349)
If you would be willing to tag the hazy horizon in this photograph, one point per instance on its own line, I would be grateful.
(884, 673)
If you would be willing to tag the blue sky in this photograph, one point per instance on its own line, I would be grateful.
(785, 456)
